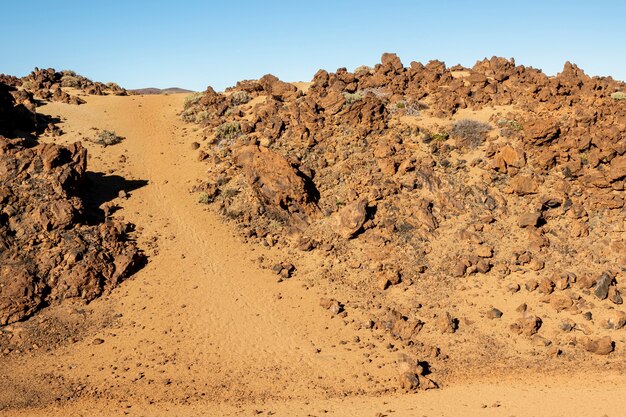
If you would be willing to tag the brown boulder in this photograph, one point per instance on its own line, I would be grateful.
(275, 182)
(350, 219)
(601, 346)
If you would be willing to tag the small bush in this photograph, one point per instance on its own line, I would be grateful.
(377, 92)
(618, 95)
(353, 97)
(28, 85)
(107, 138)
(510, 124)
(407, 108)
(228, 131)
(192, 99)
(240, 97)
(470, 132)
(70, 81)
(205, 198)
(364, 69)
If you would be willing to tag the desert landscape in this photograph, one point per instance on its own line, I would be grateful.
(408, 240)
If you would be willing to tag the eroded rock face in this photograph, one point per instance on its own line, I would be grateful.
(46, 253)
(280, 187)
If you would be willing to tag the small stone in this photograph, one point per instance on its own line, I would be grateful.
(602, 286)
(567, 325)
(483, 266)
(546, 286)
(484, 251)
(122, 194)
(494, 313)
(540, 341)
(616, 320)
(602, 346)
(527, 326)
(97, 341)
(563, 282)
(587, 315)
(615, 296)
(531, 285)
(587, 282)
(529, 219)
(522, 308)
(382, 282)
(513, 288)
(409, 381)
(446, 324)
(459, 269)
(561, 302)
(536, 265)
(195, 145)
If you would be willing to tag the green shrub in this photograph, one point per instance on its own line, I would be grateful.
(510, 124)
(470, 132)
(204, 198)
(363, 69)
(353, 97)
(192, 99)
(107, 138)
(439, 137)
(70, 81)
(228, 131)
(408, 108)
(618, 95)
(240, 97)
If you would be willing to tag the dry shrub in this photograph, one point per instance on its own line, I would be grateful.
(470, 133)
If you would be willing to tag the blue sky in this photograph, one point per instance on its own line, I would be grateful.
(192, 43)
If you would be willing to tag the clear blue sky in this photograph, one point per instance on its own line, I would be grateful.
(193, 43)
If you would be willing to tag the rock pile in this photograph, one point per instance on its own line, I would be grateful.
(48, 85)
(47, 253)
(433, 177)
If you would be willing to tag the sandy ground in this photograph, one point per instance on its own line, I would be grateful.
(203, 331)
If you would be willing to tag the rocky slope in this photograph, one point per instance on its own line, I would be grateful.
(51, 85)
(439, 195)
(47, 251)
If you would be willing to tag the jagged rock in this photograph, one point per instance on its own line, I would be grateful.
(46, 253)
(277, 185)
(529, 219)
(602, 286)
(350, 219)
(527, 326)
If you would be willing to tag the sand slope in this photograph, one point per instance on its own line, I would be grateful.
(201, 330)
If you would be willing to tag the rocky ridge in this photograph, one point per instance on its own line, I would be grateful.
(433, 183)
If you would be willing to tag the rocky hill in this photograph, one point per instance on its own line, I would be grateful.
(47, 250)
(438, 195)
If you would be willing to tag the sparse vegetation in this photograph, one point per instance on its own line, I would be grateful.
(204, 198)
(364, 69)
(107, 138)
(408, 108)
(618, 95)
(470, 132)
(352, 98)
(510, 124)
(70, 81)
(192, 99)
(227, 131)
(240, 97)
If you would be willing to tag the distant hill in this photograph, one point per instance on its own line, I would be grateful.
(173, 90)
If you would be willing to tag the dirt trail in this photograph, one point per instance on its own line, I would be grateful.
(201, 330)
